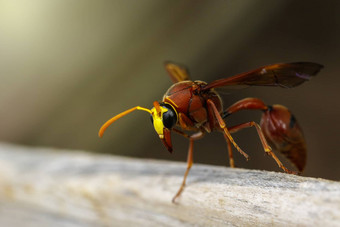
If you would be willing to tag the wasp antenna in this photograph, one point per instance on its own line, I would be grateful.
(126, 112)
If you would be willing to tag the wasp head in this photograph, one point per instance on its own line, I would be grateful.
(164, 117)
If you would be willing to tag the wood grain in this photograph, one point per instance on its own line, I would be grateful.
(50, 187)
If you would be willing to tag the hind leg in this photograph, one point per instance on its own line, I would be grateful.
(265, 145)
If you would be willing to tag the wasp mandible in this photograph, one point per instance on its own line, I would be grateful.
(196, 106)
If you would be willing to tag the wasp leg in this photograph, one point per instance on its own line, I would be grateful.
(265, 145)
(191, 138)
(224, 128)
(185, 123)
(245, 104)
(208, 127)
(230, 152)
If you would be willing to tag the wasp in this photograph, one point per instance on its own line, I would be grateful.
(195, 106)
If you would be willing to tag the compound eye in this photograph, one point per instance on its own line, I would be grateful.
(151, 118)
(169, 117)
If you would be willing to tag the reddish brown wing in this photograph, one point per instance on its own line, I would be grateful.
(176, 72)
(285, 75)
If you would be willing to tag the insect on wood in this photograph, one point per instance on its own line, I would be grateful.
(196, 106)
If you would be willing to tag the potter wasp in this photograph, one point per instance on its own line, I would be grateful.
(196, 106)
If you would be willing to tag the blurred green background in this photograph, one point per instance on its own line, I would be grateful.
(68, 66)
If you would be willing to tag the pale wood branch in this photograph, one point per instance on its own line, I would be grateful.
(50, 187)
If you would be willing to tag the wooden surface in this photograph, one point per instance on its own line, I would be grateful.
(48, 187)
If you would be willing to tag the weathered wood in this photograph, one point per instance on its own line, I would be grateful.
(50, 187)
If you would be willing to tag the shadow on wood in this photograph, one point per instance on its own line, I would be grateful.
(50, 187)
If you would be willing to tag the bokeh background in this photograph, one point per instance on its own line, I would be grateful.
(68, 66)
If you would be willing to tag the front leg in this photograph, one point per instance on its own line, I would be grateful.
(191, 138)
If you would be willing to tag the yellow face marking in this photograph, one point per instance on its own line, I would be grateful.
(158, 119)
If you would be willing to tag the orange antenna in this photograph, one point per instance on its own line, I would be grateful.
(126, 112)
